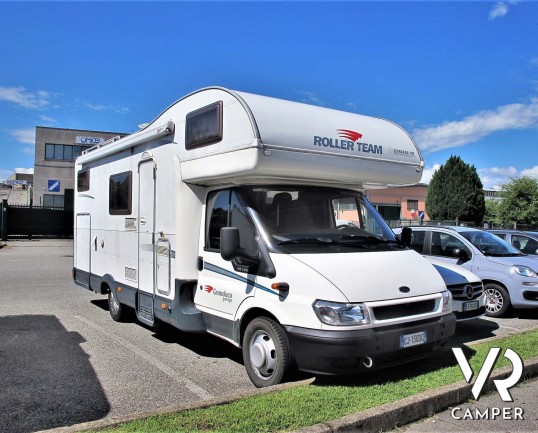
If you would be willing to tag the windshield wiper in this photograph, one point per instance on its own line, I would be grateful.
(306, 241)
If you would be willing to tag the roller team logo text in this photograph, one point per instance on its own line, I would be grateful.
(349, 140)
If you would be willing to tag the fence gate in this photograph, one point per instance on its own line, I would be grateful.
(35, 222)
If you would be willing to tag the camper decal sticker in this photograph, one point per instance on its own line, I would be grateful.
(348, 141)
(208, 289)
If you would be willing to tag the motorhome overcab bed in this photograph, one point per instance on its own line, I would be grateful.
(242, 216)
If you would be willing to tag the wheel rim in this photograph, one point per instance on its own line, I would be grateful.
(114, 304)
(262, 352)
(494, 300)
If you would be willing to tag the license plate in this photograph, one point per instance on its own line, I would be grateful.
(468, 306)
(413, 339)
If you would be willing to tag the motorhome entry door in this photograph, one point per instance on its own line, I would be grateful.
(146, 240)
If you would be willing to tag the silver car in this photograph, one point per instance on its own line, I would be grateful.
(526, 242)
(510, 278)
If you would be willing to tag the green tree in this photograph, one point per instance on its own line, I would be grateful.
(492, 212)
(456, 192)
(519, 201)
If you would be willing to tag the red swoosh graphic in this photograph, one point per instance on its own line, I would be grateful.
(350, 135)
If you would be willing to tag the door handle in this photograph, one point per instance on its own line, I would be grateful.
(142, 220)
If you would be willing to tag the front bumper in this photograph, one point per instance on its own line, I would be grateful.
(344, 352)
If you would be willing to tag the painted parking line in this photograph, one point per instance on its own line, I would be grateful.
(191, 386)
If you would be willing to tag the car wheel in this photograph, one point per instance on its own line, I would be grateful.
(115, 308)
(266, 352)
(497, 300)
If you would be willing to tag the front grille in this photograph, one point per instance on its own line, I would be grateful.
(459, 291)
(404, 310)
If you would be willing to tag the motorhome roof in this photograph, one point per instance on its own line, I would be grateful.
(383, 153)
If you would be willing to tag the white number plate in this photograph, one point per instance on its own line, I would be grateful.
(413, 339)
(468, 306)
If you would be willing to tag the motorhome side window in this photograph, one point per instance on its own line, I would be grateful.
(83, 180)
(120, 194)
(218, 205)
(225, 209)
(204, 126)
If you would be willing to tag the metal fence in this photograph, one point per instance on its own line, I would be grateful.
(484, 225)
(35, 222)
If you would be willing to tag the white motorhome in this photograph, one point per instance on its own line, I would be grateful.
(224, 215)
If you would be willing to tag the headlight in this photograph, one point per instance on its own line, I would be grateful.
(524, 271)
(338, 314)
(447, 300)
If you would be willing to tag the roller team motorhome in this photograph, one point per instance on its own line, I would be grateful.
(225, 215)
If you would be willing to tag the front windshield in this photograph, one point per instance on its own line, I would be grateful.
(489, 244)
(305, 219)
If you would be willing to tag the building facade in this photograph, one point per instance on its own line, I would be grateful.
(55, 152)
(401, 202)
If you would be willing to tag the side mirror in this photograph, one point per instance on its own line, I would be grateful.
(460, 253)
(229, 243)
(405, 236)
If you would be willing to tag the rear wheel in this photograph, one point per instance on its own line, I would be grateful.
(497, 300)
(266, 352)
(115, 308)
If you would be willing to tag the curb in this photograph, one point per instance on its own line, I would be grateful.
(381, 418)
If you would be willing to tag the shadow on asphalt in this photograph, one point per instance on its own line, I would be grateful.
(46, 378)
(202, 344)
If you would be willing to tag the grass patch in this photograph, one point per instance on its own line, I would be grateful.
(329, 398)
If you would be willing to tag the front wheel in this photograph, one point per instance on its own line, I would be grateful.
(115, 308)
(497, 300)
(266, 352)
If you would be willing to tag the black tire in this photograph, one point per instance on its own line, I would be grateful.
(266, 352)
(115, 308)
(497, 300)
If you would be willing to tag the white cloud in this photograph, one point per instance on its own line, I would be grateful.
(309, 97)
(4, 174)
(102, 107)
(19, 96)
(24, 170)
(25, 136)
(479, 125)
(427, 173)
(499, 9)
(531, 172)
(494, 177)
(46, 119)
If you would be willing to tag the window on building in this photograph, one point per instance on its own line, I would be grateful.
(204, 126)
(63, 152)
(83, 180)
(53, 200)
(120, 194)
(412, 204)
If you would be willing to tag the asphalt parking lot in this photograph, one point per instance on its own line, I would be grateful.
(64, 361)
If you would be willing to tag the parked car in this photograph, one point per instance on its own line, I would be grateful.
(526, 242)
(468, 297)
(509, 276)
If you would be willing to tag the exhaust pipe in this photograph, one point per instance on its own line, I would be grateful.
(368, 362)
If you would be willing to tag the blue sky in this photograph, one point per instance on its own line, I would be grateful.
(461, 77)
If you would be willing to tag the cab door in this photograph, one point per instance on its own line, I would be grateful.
(224, 285)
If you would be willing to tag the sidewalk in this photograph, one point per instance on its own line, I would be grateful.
(38, 243)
